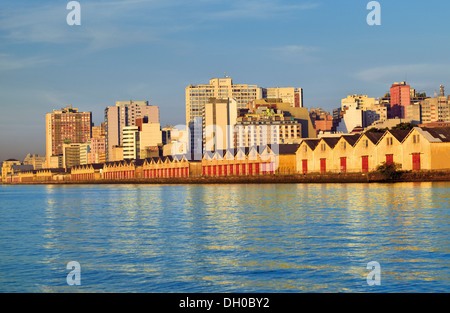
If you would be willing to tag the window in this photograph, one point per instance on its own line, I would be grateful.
(389, 141)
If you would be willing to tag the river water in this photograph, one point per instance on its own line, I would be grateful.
(225, 238)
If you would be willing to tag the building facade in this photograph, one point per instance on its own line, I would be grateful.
(400, 99)
(66, 126)
(291, 95)
(123, 114)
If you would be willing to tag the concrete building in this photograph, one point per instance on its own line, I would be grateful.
(400, 99)
(352, 117)
(219, 118)
(427, 149)
(291, 95)
(35, 160)
(66, 126)
(435, 109)
(75, 154)
(97, 152)
(116, 154)
(418, 149)
(266, 127)
(150, 138)
(7, 167)
(363, 102)
(131, 143)
(197, 96)
(123, 114)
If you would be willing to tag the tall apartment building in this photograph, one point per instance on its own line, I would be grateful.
(75, 154)
(435, 109)
(131, 144)
(197, 96)
(150, 138)
(362, 101)
(123, 114)
(267, 127)
(65, 126)
(219, 118)
(291, 95)
(400, 99)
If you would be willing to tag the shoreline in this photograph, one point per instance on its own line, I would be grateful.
(348, 178)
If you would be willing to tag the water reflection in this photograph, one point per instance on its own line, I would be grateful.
(220, 238)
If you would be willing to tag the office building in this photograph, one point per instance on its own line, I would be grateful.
(400, 99)
(131, 143)
(123, 114)
(291, 95)
(219, 118)
(66, 126)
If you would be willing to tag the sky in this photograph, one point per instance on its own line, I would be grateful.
(151, 50)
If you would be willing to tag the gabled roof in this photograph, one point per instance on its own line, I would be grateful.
(352, 139)
(374, 137)
(441, 134)
(399, 134)
(331, 141)
(139, 162)
(312, 143)
(285, 149)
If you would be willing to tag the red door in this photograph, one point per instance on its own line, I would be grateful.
(225, 170)
(231, 169)
(389, 158)
(343, 165)
(323, 165)
(237, 169)
(305, 166)
(257, 165)
(365, 164)
(250, 169)
(416, 161)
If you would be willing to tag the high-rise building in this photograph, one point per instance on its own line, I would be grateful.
(400, 99)
(150, 138)
(291, 95)
(267, 126)
(362, 102)
(197, 96)
(66, 126)
(125, 114)
(219, 118)
(435, 109)
(75, 154)
(131, 144)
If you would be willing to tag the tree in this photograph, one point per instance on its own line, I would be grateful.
(404, 126)
(390, 171)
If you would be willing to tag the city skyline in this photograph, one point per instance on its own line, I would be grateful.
(326, 48)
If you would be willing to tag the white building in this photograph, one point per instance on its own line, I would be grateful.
(131, 144)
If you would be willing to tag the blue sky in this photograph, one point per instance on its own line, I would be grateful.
(152, 49)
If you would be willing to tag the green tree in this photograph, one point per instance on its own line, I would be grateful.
(390, 171)
(404, 126)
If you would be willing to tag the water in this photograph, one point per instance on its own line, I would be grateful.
(225, 238)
